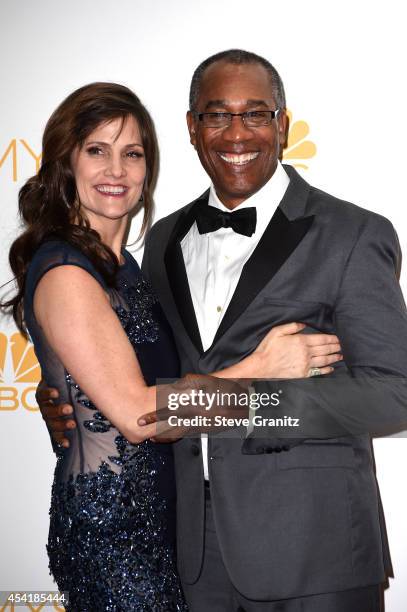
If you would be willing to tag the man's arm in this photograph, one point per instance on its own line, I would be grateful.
(370, 314)
(370, 318)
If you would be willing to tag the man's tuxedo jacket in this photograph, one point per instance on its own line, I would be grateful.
(307, 520)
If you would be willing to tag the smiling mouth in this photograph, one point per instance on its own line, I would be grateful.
(111, 190)
(238, 160)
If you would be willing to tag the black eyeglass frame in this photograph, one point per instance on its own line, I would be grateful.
(272, 115)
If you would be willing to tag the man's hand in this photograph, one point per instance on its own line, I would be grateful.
(199, 401)
(55, 416)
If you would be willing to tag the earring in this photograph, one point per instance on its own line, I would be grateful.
(141, 199)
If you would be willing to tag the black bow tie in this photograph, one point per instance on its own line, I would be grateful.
(210, 219)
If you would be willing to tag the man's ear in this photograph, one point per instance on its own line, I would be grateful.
(283, 122)
(191, 128)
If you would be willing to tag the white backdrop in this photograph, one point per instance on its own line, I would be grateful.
(343, 64)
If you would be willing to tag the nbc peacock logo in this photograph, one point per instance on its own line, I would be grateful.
(298, 148)
(20, 373)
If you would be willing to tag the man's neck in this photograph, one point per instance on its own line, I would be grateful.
(278, 176)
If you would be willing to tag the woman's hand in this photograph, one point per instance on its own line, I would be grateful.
(285, 353)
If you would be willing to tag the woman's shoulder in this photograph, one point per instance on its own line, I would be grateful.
(55, 252)
(57, 249)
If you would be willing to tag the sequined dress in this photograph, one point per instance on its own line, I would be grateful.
(112, 518)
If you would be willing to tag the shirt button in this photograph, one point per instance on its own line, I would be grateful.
(219, 308)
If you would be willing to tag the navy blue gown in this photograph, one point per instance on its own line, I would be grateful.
(112, 518)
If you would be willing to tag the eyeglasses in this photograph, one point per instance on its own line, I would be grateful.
(250, 118)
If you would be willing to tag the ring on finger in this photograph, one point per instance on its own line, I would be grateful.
(314, 372)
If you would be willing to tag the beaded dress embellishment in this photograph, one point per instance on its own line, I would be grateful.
(107, 541)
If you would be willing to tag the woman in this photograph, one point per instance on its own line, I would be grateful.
(102, 341)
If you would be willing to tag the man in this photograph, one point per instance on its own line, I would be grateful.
(300, 528)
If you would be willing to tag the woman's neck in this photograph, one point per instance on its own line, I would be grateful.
(111, 232)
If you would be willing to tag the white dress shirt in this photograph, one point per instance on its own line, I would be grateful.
(214, 262)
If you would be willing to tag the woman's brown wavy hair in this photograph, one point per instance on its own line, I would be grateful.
(48, 202)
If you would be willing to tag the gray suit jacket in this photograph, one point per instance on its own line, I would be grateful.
(307, 520)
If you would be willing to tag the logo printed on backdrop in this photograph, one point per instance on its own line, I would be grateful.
(14, 150)
(298, 147)
(19, 373)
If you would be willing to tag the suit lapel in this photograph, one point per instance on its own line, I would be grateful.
(282, 236)
(279, 240)
(177, 275)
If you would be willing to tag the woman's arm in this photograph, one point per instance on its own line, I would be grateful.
(81, 327)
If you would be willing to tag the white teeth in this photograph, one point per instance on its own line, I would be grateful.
(244, 158)
(111, 189)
